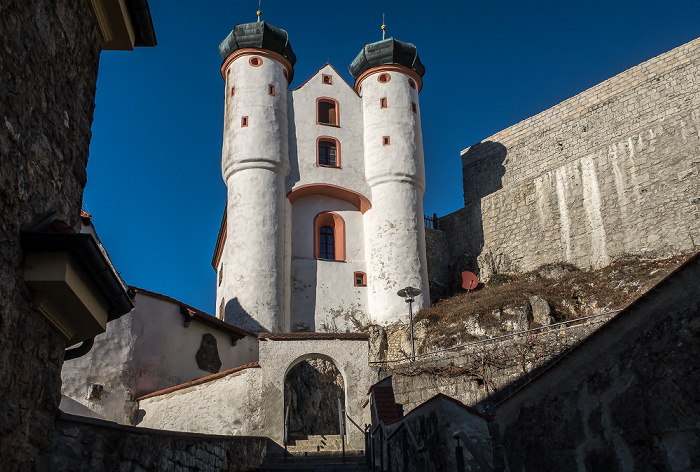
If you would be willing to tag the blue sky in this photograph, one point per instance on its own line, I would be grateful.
(154, 176)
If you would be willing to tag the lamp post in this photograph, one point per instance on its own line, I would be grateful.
(408, 293)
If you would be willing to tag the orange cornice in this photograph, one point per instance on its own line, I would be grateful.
(258, 52)
(389, 68)
(360, 202)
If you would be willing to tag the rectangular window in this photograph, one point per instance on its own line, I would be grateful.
(244, 121)
(414, 108)
(327, 79)
(233, 90)
(360, 279)
(385, 140)
(271, 90)
(327, 112)
(382, 102)
(327, 245)
(327, 154)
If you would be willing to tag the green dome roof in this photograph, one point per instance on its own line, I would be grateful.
(387, 51)
(258, 35)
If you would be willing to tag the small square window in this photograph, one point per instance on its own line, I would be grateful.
(414, 108)
(244, 121)
(382, 102)
(327, 79)
(360, 279)
(271, 90)
(385, 140)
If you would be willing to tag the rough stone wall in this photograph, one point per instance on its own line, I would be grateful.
(49, 51)
(438, 258)
(94, 445)
(585, 180)
(482, 373)
(624, 400)
(432, 425)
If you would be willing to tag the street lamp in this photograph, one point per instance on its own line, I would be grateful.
(408, 293)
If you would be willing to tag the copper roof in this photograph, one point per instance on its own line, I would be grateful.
(202, 380)
(314, 336)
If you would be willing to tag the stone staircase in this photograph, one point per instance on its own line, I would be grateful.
(316, 453)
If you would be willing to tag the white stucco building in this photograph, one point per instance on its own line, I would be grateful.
(324, 216)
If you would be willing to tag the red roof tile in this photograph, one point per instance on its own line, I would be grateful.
(385, 403)
(201, 380)
(315, 336)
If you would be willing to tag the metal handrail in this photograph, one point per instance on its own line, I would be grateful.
(411, 435)
(496, 338)
(353, 422)
(473, 450)
(286, 430)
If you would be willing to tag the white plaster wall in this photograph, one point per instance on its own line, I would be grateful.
(146, 350)
(229, 405)
(394, 231)
(255, 161)
(304, 131)
(324, 296)
(251, 402)
(350, 357)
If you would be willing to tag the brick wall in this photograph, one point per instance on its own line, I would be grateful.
(613, 170)
(49, 52)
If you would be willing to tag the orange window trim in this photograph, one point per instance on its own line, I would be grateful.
(321, 139)
(335, 221)
(271, 90)
(386, 140)
(382, 102)
(337, 111)
(244, 121)
(357, 276)
(327, 79)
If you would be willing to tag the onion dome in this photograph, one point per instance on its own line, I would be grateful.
(387, 52)
(259, 35)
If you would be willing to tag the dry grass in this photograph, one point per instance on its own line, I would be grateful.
(578, 293)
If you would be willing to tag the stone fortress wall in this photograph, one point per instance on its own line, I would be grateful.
(610, 171)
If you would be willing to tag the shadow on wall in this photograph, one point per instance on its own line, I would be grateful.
(236, 315)
(483, 168)
(303, 299)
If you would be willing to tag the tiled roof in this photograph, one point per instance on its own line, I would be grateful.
(314, 336)
(385, 404)
(201, 380)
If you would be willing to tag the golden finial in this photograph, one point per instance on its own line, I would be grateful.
(259, 10)
(383, 27)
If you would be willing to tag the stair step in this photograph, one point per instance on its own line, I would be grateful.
(316, 462)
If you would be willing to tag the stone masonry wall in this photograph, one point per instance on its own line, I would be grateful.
(625, 400)
(460, 373)
(438, 257)
(93, 445)
(49, 51)
(613, 170)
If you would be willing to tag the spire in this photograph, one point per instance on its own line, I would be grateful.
(383, 27)
(259, 11)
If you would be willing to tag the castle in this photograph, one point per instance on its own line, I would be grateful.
(150, 367)
(324, 219)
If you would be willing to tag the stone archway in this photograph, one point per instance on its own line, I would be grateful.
(281, 352)
(312, 388)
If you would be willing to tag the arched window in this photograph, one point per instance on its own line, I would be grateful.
(328, 152)
(329, 236)
(327, 112)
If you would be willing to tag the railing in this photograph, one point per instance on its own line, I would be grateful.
(286, 431)
(473, 450)
(432, 222)
(380, 431)
(540, 329)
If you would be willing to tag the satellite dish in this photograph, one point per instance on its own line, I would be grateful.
(408, 292)
(469, 281)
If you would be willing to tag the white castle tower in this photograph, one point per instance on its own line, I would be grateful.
(324, 218)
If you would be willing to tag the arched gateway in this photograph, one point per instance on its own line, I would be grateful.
(280, 352)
